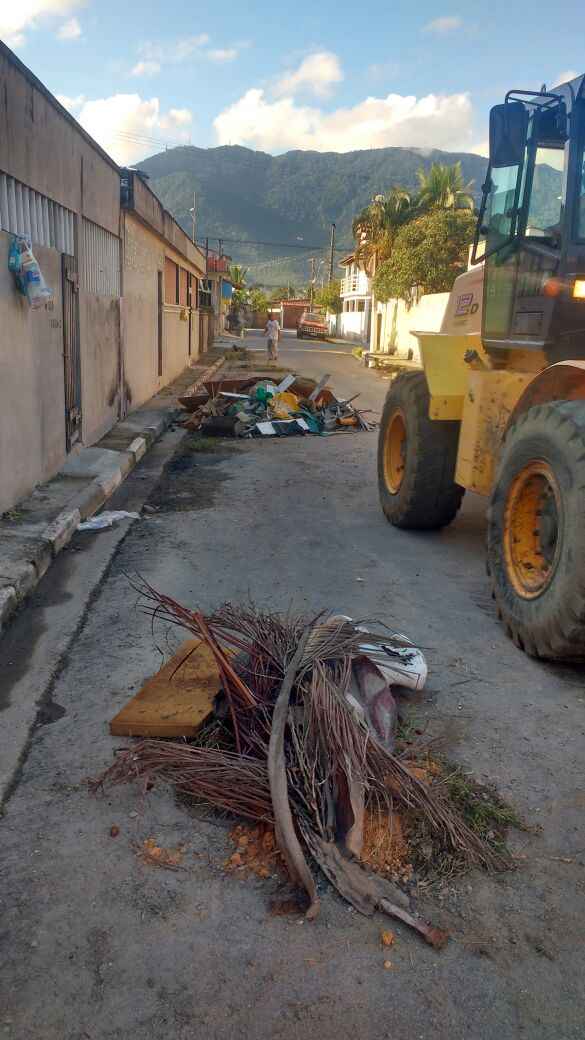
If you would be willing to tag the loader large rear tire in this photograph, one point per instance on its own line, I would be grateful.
(536, 532)
(416, 459)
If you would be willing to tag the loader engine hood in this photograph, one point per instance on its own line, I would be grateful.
(463, 314)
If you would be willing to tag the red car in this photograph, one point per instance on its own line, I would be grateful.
(312, 325)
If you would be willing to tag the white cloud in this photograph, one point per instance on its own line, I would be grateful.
(565, 77)
(434, 121)
(316, 75)
(146, 68)
(129, 127)
(16, 18)
(180, 116)
(70, 30)
(172, 53)
(72, 104)
(443, 25)
(223, 54)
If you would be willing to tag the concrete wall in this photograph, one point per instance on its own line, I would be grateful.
(99, 323)
(144, 257)
(151, 211)
(176, 342)
(353, 325)
(393, 333)
(32, 395)
(45, 149)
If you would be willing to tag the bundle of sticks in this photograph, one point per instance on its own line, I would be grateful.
(288, 748)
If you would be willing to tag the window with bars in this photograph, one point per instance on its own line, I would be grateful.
(26, 212)
(100, 260)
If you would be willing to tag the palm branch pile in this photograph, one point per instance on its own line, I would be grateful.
(287, 747)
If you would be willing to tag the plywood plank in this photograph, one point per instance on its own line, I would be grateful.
(175, 701)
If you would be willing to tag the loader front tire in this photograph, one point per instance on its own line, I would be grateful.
(536, 532)
(416, 459)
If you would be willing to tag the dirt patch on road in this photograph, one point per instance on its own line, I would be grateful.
(192, 477)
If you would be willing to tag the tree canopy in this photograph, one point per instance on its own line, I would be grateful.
(428, 253)
(378, 226)
(443, 187)
(328, 297)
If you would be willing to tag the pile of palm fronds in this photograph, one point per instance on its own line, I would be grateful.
(293, 751)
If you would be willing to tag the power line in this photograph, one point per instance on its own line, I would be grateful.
(284, 245)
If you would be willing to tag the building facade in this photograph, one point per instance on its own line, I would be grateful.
(354, 321)
(164, 329)
(121, 321)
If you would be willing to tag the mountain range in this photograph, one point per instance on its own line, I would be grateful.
(274, 212)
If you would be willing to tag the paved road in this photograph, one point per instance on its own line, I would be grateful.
(94, 944)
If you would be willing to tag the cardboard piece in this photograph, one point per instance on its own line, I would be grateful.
(175, 701)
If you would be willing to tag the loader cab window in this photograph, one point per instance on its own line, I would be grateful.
(545, 206)
(499, 223)
(581, 200)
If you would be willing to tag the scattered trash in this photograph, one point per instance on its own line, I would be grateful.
(256, 852)
(114, 831)
(157, 856)
(27, 273)
(291, 745)
(388, 964)
(241, 407)
(106, 519)
(387, 938)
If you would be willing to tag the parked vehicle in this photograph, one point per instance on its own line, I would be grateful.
(312, 325)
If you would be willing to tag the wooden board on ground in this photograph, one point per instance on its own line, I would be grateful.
(175, 701)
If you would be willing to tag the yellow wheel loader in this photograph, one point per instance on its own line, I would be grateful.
(499, 407)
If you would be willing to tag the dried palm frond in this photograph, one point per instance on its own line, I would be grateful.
(224, 779)
(328, 747)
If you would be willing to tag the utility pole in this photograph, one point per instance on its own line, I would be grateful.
(331, 251)
(312, 279)
(193, 212)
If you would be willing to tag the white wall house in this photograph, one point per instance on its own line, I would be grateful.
(394, 322)
(356, 294)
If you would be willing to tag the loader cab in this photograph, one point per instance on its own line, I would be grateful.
(532, 226)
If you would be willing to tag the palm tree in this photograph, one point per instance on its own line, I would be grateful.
(376, 226)
(442, 187)
(238, 274)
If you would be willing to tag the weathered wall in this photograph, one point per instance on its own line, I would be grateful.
(399, 321)
(176, 342)
(353, 325)
(99, 323)
(143, 259)
(153, 213)
(32, 396)
(46, 150)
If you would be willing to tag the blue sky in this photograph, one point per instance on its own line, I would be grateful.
(329, 76)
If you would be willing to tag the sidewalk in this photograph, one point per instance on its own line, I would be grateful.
(37, 529)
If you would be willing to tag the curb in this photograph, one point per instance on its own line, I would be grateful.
(84, 505)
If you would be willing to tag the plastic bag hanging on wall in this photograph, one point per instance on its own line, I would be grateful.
(26, 270)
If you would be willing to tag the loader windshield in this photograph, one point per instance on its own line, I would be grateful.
(581, 199)
(544, 209)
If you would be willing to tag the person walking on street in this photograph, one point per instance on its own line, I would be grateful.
(272, 332)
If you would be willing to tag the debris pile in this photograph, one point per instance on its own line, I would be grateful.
(300, 739)
(244, 406)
